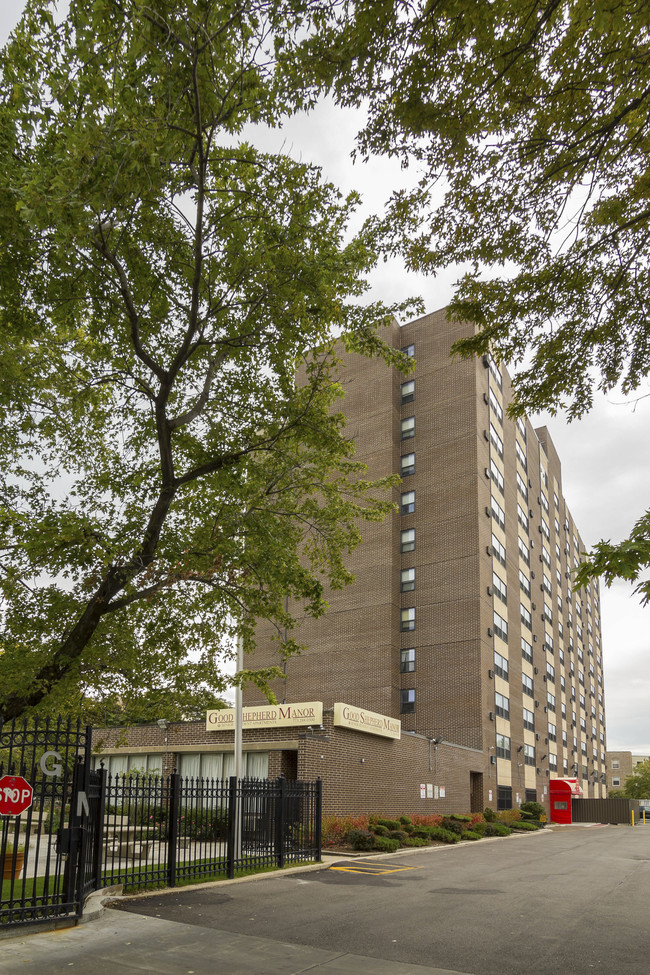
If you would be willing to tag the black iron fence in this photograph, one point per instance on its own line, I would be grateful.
(170, 831)
(66, 829)
(39, 883)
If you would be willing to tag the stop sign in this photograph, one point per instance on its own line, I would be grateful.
(16, 795)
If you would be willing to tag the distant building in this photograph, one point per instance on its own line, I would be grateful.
(620, 765)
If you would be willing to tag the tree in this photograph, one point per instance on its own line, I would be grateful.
(163, 480)
(529, 125)
(637, 785)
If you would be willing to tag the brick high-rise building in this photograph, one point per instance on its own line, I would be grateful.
(462, 620)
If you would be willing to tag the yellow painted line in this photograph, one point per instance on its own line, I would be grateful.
(371, 869)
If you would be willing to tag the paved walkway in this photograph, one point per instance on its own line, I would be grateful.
(130, 944)
(133, 944)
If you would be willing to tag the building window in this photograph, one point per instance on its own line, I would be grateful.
(522, 517)
(616, 763)
(407, 618)
(529, 754)
(552, 732)
(550, 701)
(408, 464)
(408, 350)
(521, 426)
(407, 503)
(407, 391)
(616, 780)
(529, 719)
(503, 746)
(500, 588)
(497, 442)
(496, 476)
(526, 618)
(522, 487)
(496, 374)
(521, 456)
(498, 513)
(500, 627)
(502, 706)
(496, 406)
(407, 660)
(498, 550)
(407, 580)
(526, 650)
(552, 762)
(524, 551)
(408, 427)
(407, 540)
(504, 797)
(527, 684)
(407, 701)
(500, 666)
(524, 583)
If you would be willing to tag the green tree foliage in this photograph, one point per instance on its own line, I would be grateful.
(162, 478)
(139, 706)
(527, 122)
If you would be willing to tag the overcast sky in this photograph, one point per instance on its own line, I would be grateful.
(605, 457)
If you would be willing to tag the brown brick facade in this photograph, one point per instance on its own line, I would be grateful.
(361, 773)
(469, 457)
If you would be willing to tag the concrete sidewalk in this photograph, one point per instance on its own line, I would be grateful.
(131, 944)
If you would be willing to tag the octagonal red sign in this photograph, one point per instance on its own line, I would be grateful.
(16, 795)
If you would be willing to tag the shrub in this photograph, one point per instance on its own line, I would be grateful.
(454, 825)
(458, 818)
(442, 835)
(363, 839)
(406, 820)
(398, 834)
(497, 829)
(415, 841)
(435, 819)
(378, 830)
(423, 832)
(469, 834)
(525, 826)
(535, 808)
(480, 826)
(389, 823)
(509, 816)
(489, 815)
(386, 844)
(337, 828)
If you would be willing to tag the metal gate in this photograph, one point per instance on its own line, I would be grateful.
(42, 850)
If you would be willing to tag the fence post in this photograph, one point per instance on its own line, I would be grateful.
(280, 814)
(232, 827)
(319, 819)
(99, 828)
(174, 782)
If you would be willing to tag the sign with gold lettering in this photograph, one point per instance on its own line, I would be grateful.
(347, 716)
(267, 716)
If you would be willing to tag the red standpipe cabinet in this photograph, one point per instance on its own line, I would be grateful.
(562, 791)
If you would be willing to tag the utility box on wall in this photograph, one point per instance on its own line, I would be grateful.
(562, 791)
